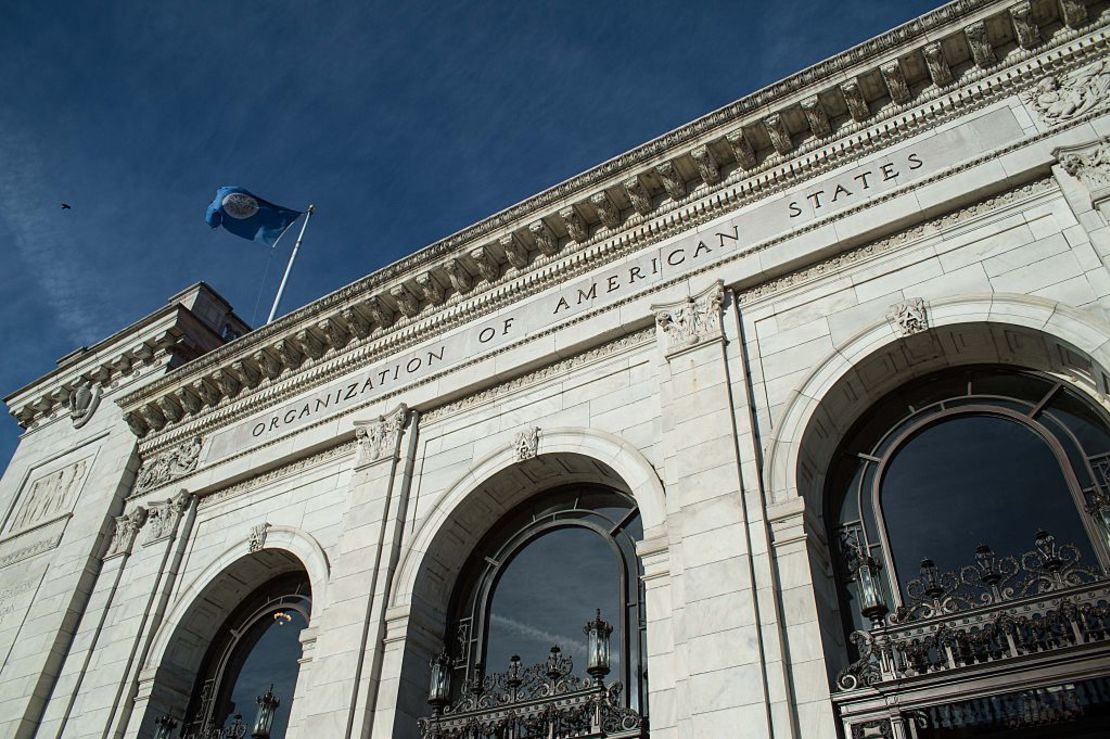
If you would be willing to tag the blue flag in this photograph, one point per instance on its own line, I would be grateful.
(249, 216)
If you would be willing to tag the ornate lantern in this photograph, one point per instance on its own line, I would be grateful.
(597, 648)
(987, 563)
(164, 726)
(872, 602)
(439, 687)
(930, 579)
(267, 707)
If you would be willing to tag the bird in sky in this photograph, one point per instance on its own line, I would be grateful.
(67, 206)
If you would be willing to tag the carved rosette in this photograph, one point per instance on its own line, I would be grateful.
(526, 444)
(1059, 98)
(909, 317)
(692, 321)
(256, 537)
(170, 465)
(126, 529)
(162, 518)
(380, 438)
(1090, 164)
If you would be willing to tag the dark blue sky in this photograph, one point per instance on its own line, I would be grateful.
(402, 121)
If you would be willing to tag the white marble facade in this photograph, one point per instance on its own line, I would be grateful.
(696, 323)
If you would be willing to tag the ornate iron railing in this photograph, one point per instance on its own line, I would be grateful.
(995, 609)
(544, 701)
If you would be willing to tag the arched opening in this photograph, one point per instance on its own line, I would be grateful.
(239, 635)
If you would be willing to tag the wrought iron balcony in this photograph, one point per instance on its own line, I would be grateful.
(544, 701)
(996, 609)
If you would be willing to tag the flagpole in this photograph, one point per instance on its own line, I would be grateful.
(289, 267)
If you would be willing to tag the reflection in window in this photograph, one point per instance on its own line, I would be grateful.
(979, 455)
(257, 647)
(540, 575)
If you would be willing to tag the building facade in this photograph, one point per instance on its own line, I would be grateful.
(790, 423)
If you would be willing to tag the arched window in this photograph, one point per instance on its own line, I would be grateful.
(256, 650)
(971, 467)
(543, 572)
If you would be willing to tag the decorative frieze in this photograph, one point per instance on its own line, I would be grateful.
(671, 179)
(937, 63)
(163, 517)
(379, 439)
(256, 537)
(816, 117)
(909, 317)
(526, 444)
(895, 79)
(1025, 28)
(607, 211)
(742, 149)
(853, 98)
(778, 133)
(693, 320)
(253, 483)
(125, 530)
(170, 465)
(1060, 98)
(575, 224)
(708, 168)
(982, 52)
(639, 195)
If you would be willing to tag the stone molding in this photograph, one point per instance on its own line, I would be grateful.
(911, 235)
(126, 529)
(79, 393)
(277, 473)
(1090, 164)
(168, 466)
(163, 517)
(909, 317)
(692, 321)
(400, 332)
(381, 438)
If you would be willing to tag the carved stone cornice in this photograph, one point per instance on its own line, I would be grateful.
(852, 141)
(693, 320)
(381, 438)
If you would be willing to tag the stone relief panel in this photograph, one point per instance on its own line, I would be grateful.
(170, 465)
(1059, 98)
(691, 321)
(50, 496)
(909, 317)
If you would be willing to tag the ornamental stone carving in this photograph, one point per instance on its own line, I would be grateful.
(1090, 164)
(172, 464)
(526, 444)
(256, 537)
(909, 317)
(691, 321)
(83, 402)
(126, 529)
(162, 518)
(1057, 99)
(50, 496)
(378, 439)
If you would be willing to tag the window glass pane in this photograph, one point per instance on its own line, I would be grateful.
(547, 593)
(973, 480)
(1011, 384)
(266, 656)
(1082, 421)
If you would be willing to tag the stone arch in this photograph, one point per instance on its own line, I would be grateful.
(585, 455)
(465, 512)
(1017, 330)
(205, 601)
